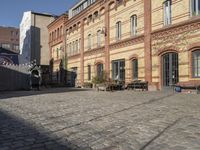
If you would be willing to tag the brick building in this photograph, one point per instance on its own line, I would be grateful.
(9, 38)
(57, 48)
(155, 41)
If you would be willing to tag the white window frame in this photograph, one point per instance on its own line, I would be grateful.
(98, 38)
(133, 25)
(167, 5)
(118, 30)
(89, 41)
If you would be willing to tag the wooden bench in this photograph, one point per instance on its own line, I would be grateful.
(138, 84)
(189, 86)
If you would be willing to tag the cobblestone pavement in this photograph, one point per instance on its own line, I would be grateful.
(76, 119)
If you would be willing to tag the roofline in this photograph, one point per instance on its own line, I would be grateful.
(57, 19)
(43, 14)
(9, 27)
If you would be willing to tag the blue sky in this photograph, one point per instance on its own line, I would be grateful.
(12, 10)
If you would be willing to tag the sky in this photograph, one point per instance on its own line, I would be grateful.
(12, 10)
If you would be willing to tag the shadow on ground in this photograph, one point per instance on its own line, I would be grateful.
(16, 133)
(10, 94)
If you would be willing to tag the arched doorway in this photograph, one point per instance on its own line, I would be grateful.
(170, 71)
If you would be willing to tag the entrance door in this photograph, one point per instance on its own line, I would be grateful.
(170, 69)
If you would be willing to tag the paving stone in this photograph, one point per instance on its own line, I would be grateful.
(85, 119)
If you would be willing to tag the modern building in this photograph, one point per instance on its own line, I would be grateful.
(155, 41)
(34, 37)
(57, 49)
(9, 38)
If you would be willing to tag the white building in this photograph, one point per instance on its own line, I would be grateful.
(34, 37)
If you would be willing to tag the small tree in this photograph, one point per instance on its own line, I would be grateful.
(100, 79)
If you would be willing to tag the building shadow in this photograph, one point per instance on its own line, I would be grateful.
(15, 82)
(17, 133)
(11, 94)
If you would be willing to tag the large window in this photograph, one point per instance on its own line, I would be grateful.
(133, 25)
(100, 70)
(134, 69)
(167, 12)
(196, 63)
(89, 41)
(89, 72)
(195, 7)
(99, 38)
(118, 30)
(118, 70)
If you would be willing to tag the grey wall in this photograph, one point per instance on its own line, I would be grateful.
(14, 78)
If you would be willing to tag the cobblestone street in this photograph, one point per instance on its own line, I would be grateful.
(84, 119)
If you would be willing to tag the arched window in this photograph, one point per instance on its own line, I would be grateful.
(89, 72)
(58, 33)
(100, 70)
(133, 25)
(167, 12)
(57, 53)
(61, 30)
(70, 49)
(99, 38)
(76, 46)
(89, 41)
(196, 63)
(55, 34)
(50, 37)
(79, 44)
(118, 30)
(134, 69)
(195, 7)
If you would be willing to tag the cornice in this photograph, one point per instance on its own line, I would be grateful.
(94, 51)
(127, 42)
(174, 29)
(74, 56)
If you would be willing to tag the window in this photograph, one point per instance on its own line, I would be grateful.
(76, 46)
(57, 53)
(89, 72)
(49, 37)
(70, 48)
(16, 47)
(196, 63)
(133, 25)
(12, 33)
(58, 33)
(195, 7)
(135, 69)
(61, 30)
(6, 46)
(118, 30)
(89, 41)
(100, 71)
(167, 12)
(79, 44)
(99, 38)
(96, 14)
(118, 70)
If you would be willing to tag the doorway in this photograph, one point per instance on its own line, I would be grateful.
(170, 69)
